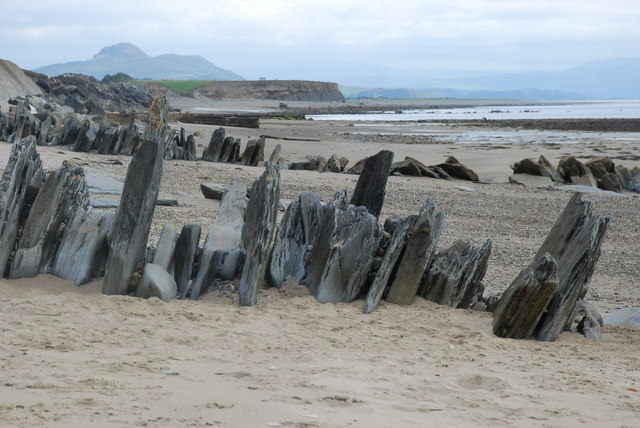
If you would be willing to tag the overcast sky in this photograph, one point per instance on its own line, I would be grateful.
(250, 36)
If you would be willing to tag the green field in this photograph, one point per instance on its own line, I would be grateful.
(180, 86)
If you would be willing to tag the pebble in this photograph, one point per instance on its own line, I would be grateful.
(273, 368)
(170, 373)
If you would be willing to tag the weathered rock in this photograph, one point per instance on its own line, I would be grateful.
(84, 248)
(573, 171)
(223, 241)
(43, 133)
(63, 193)
(225, 150)
(234, 157)
(82, 143)
(133, 218)
(548, 170)
(297, 233)
(419, 251)
(184, 255)
(130, 138)
(190, 149)
(521, 306)
(156, 282)
(540, 168)
(625, 317)
(625, 178)
(574, 242)
(573, 188)
(336, 164)
(455, 275)
(254, 152)
(357, 167)
(533, 181)
(212, 151)
(392, 254)
(372, 183)
(69, 132)
(454, 168)
(590, 321)
(21, 180)
(165, 248)
(342, 258)
(258, 231)
(412, 167)
(213, 190)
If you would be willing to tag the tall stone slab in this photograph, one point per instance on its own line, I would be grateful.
(417, 256)
(223, 248)
(257, 232)
(133, 218)
(372, 183)
(211, 153)
(184, 254)
(574, 242)
(21, 179)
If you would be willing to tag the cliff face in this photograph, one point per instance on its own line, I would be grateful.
(286, 90)
(14, 83)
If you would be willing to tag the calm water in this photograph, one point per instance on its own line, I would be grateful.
(610, 110)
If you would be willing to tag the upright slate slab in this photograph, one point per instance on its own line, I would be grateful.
(21, 180)
(183, 257)
(521, 306)
(383, 275)
(257, 232)
(163, 256)
(222, 249)
(417, 255)
(211, 153)
(135, 212)
(63, 193)
(297, 233)
(575, 243)
(341, 260)
(454, 278)
(372, 183)
(82, 254)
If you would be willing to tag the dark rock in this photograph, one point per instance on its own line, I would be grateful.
(83, 250)
(69, 132)
(213, 190)
(297, 233)
(417, 256)
(372, 183)
(82, 143)
(63, 193)
(190, 149)
(212, 151)
(223, 241)
(521, 306)
(22, 172)
(258, 231)
(254, 152)
(392, 254)
(225, 150)
(357, 167)
(163, 255)
(133, 218)
(624, 177)
(574, 242)
(184, 255)
(454, 168)
(455, 276)
(43, 133)
(275, 155)
(75, 104)
(343, 255)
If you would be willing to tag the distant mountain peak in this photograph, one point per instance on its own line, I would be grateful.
(121, 49)
(129, 59)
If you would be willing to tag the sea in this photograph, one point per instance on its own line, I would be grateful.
(574, 110)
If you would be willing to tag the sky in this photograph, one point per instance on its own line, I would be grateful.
(274, 38)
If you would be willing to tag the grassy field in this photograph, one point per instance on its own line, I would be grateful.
(180, 86)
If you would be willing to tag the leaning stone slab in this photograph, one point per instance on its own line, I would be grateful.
(528, 180)
(83, 250)
(213, 190)
(257, 232)
(21, 180)
(575, 243)
(212, 151)
(133, 218)
(455, 276)
(417, 256)
(343, 255)
(625, 317)
(391, 256)
(521, 306)
(183, 256)
(223, 238)
(163, 255)
(372, 183)
(156, 282)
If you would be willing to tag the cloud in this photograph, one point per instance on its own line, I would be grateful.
(249, 33)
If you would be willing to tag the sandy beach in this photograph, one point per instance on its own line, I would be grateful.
(72, 357)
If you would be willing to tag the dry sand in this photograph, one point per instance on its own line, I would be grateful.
(70, 356)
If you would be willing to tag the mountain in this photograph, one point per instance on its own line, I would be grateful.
(128, 58)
